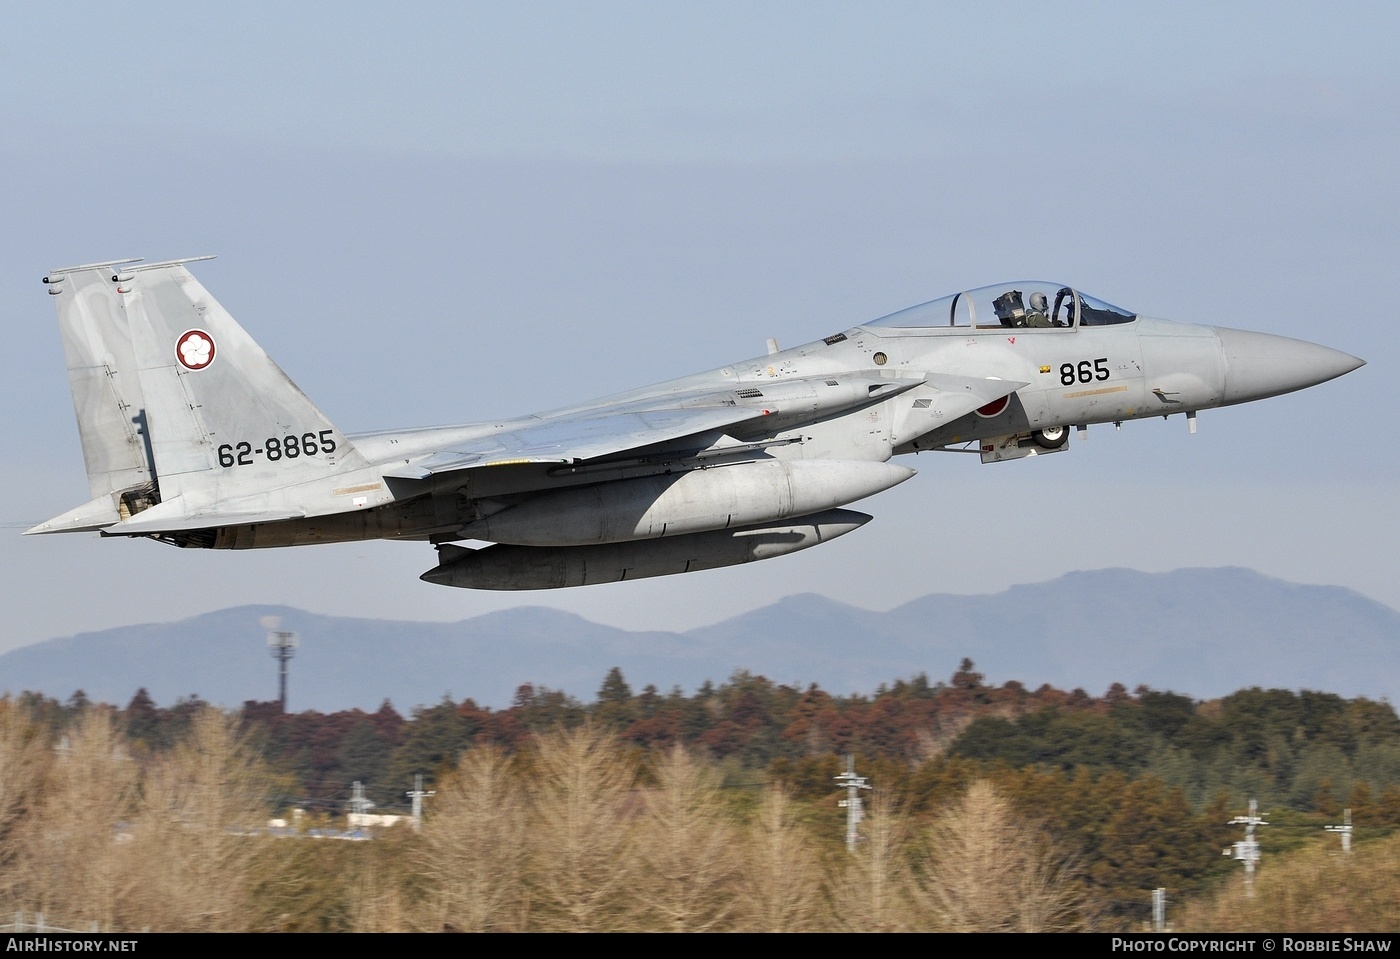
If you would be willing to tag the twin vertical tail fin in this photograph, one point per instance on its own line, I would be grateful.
(226, 421)
(184, 419)
(102, 376)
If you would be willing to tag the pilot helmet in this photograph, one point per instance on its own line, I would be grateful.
(1040, 303)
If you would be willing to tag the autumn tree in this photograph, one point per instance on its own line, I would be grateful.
(74, 853)
(191, 847)
(1151, 839)
(991, 871)
(580, 836)
(472, 851)
(875, 875)
(781, 883)
(23, 759)
(686, 847)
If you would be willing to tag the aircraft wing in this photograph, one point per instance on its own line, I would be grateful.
(580, 436)
(609, 430)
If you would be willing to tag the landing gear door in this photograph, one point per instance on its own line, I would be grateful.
(1015, 446)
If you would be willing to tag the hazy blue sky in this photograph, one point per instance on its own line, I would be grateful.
(434, 213)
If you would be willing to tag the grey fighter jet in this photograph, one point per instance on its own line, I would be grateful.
(192, 436)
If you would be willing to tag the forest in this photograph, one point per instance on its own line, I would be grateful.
(991, 808)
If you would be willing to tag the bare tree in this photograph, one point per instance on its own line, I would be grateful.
(686, 847)
(192, 837)
(991, 871)
(473, 847)
(76, 852)
(875, 877)
(23, 765)
(378, 903)
(580, 833)
(782, 883)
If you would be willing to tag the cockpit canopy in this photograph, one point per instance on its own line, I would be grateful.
(1024, 304)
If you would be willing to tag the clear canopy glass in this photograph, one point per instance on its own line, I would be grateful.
(1029, 304)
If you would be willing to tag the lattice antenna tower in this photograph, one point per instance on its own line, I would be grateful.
(282, 645)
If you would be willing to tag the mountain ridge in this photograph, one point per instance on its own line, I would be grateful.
(1199, 631)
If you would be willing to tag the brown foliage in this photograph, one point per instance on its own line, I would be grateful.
(686, 848)
(472, 850)
(990, 871)
(781, 884)
(191, 848)
(76, 862)
(875, 880)
(1316, 890)
(581, 834)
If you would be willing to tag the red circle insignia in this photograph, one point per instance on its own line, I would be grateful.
(994, 407)
(194, 349)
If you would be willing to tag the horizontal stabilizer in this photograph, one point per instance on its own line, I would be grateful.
(144, 524)
(92, 515)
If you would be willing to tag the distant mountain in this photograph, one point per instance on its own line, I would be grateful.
(1204, 632)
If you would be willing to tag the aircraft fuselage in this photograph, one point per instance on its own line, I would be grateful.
(193, 436)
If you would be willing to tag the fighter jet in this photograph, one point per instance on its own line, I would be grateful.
(194, 437)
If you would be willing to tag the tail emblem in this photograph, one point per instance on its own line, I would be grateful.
(194, 349)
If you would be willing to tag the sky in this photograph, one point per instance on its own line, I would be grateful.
(443, 213)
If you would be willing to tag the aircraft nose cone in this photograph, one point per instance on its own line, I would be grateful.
(1258, 365)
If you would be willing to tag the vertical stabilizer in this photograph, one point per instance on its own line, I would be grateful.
(102, 375)
(225, 421)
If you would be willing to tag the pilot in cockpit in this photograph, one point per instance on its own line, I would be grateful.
(1011, 310)
(1039, 313)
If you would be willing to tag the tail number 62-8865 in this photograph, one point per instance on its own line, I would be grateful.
(275, 449)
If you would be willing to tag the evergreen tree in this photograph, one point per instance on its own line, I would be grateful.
(615, 707)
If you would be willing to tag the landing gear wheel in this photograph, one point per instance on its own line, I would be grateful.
(1051, 438)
